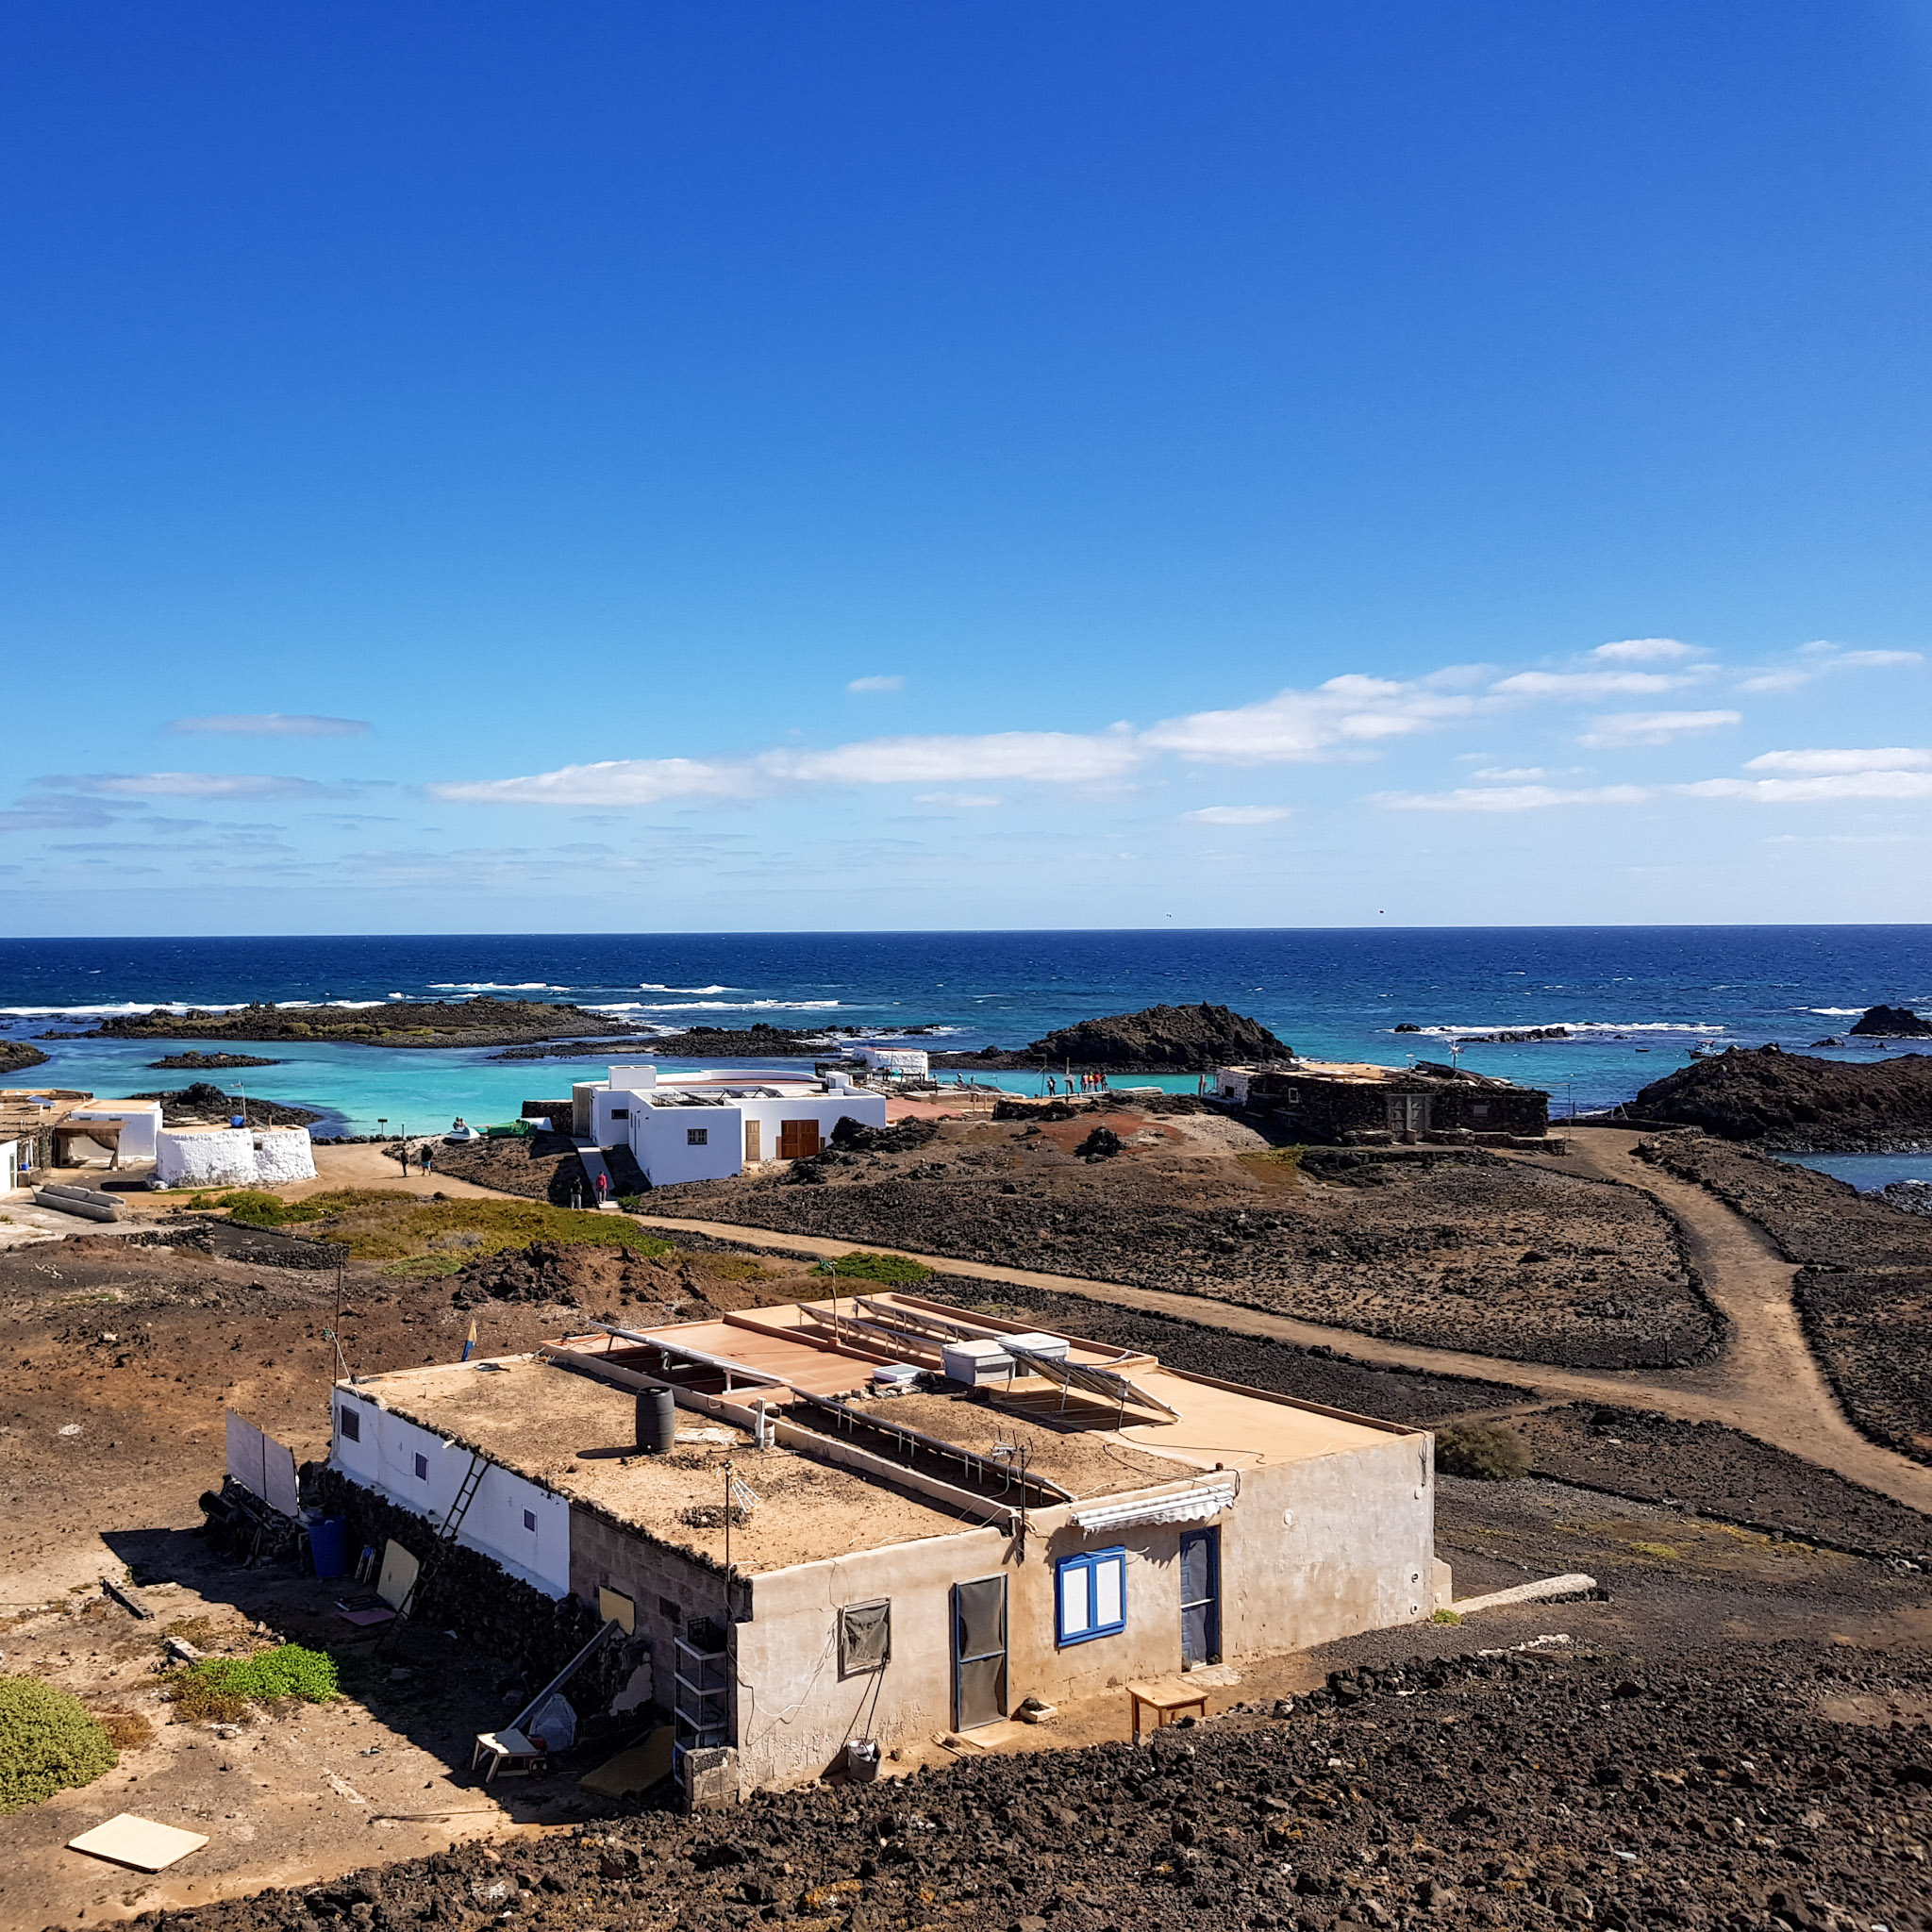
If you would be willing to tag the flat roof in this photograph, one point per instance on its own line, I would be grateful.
(577, 1437)
(1364, 1072)
(573, 1433)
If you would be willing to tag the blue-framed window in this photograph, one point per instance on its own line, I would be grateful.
(1090, 1596)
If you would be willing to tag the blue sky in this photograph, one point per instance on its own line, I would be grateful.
(680, 467)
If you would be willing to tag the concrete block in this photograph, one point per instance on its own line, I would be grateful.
(707, 1779)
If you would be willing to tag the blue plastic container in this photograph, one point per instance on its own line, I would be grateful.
(328, 1544)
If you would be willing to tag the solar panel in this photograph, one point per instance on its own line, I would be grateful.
(1106, 1383)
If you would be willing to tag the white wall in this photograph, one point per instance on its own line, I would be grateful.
(385, 1461)
(140, 1122)
(9, 1166)
(660, 1137)
(233, 1156)
(283, 1153)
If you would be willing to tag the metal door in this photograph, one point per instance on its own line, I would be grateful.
(979, 1653)
(1200, 1597)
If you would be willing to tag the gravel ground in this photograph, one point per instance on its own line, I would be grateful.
(1637, 1453)
(1864, 1285)
(1316, 1375)
(1775, 1786)
(1461, 1250)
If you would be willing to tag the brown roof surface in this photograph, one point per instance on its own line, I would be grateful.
(573, 1435)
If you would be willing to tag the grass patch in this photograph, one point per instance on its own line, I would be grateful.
(385, 1225)
(127, 1730)
(894, 1270)
(1277, 1167)
(49, 1741)
(203, 1632)
(1446, 1617)
(1483, 1450)
(1664, 1552)
(222, 1688)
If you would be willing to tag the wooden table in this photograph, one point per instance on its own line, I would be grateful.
(1166, 1701)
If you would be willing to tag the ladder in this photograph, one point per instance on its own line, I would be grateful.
(439, 1551)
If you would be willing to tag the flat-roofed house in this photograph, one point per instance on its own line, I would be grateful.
(817, 1560)
(1340, 1101)
(708, 1126)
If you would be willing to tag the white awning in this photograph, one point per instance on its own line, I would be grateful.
(1191, 1505)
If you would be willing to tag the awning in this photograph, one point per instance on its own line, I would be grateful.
(1191, 1505)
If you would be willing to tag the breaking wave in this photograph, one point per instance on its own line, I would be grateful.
(651, 986)
(494, 986)
(1575, 1026)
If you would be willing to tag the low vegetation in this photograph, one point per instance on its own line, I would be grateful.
(385, 1224)
(222, 1688)
(1483, 1450)
(896, 1271)
(49, 1741)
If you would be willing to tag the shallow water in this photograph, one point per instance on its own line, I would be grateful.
(1868, 1172)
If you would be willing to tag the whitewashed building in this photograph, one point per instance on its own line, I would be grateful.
(710, 1125)
(232, 1157)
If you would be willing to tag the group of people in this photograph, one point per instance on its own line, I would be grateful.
(1077, 1083)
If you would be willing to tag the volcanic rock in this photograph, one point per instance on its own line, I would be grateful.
(208, 1062)
(1157, 1039)
(205, 1101)
(1793, 1101)
(425, 1023)
(1892, 1022)
(16, 1054)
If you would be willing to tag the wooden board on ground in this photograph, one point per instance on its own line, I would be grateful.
(138, 1841)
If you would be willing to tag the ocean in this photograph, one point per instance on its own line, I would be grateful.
(1634, 998)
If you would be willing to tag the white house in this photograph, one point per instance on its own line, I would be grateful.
(232, 1157)
(137, 1125)
(9, 1166)
(900, 1063)
(710, 1125)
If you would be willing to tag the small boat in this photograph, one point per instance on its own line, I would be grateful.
(459, 1131)
(1703, 1050)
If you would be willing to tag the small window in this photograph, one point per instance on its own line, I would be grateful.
(1480, 1108)
(865, 1637)
(698, 1137)
(529, 1519)
(619, 1113)
(422, 1469)
(667, 1609)
(351, 1424)
(1091, 1598)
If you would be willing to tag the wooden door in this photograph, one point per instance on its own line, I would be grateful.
(797, 1139)
(753, 1138)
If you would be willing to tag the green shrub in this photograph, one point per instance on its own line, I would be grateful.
(224, 1687)
(1483, 1450)
(253, 1207)
(49, 1742)
(897, 1269)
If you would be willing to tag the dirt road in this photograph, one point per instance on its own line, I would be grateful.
(1765, 1382)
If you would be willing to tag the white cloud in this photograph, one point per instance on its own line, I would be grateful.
(1654, 728)
(1510, 775)
(1893, 786)
(1238, 814)
(1819, 657)
(1498, 798)
(1049, 757)
(274, 725)
(191, 785)
(864, 684)
(1815, 764)
(1587, 684)
(962, 801)
(1336, 718)
(1645, 651)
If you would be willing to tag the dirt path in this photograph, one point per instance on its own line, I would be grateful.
(1765, 1382)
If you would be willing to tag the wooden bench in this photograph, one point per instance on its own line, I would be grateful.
(1166, 1701)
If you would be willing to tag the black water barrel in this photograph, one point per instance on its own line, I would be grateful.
(657, 1422)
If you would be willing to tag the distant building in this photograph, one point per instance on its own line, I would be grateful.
(1363, 1104)
(899, 1063)
(1041, 1517)
(710, 1125)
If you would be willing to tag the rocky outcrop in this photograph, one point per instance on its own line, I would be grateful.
(205, 1101)
(1157, 1039)
(757, 1041)
(16, 1056)
(208, 1062)
(1794, 1103)
(1892, 1022)
(425, 1022)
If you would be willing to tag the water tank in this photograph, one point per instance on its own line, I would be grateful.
(328, 1544)
(657, 1422)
